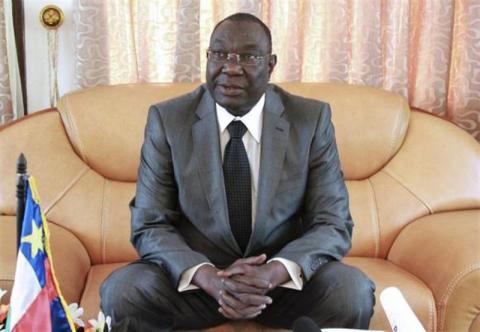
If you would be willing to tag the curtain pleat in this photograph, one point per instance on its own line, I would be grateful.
(425, 50)
(6, 111)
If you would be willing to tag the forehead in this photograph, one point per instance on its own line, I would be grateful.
(232, 36)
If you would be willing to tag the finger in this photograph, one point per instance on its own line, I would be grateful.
(234, 269)
(253, 281)
(222, 311)
(253, 315)
(250, 311)
(227, 311)
(254, 260)
(242, 313)
(232, 302)
(234, 286)
(239, 302)
(238, 310)
(254, 300)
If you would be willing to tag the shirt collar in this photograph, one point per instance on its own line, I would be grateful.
(252, 120)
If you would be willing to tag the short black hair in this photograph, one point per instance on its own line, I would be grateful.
(246, 17)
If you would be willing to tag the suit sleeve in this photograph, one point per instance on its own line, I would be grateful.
(154, 209)
(326, 221)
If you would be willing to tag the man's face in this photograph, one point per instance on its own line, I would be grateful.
(235, 86)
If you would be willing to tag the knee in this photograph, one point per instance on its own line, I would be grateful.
(359, 293)
(350, 292)
(123, 291)
(115, 290)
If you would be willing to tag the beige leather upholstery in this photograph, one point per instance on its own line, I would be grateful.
(99, 137)
(370, 124)
(386, 274)
(90, 299)
(413, 180)
(7, 254)
(448, 261)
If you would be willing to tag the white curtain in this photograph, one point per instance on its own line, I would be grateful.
(426, 50)
(11, 102)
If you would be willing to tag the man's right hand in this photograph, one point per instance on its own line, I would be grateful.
(247, 302)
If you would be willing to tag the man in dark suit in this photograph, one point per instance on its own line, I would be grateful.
(241, 210)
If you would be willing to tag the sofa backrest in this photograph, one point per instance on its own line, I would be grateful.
(399, 165)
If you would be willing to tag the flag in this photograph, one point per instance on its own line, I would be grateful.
(36, 303)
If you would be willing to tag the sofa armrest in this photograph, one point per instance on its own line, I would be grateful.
(8, 256)
(443, 250)
(70, 261)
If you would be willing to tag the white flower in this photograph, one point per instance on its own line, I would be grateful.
(100, 322)
(76, 313)
(108, 320)
(2, 292)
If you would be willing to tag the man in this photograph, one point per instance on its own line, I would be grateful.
(241, 210)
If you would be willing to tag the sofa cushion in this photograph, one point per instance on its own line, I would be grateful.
(103, 226)
(105, 124)
(370, 124)
(438, 164)
(50, 158)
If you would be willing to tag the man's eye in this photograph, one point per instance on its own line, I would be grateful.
(220, 55)
(249, 57)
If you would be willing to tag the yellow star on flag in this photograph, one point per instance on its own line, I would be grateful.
(35, 239)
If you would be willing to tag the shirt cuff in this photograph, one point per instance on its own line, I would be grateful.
(185, 283)
(295, 272)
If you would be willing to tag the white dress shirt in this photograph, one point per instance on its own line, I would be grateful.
(253, 120)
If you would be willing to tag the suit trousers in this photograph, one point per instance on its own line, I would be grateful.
(140, 297)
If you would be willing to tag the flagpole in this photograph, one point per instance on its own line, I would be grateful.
(21, 181)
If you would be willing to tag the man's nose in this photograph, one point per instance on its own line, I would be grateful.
(232, 68)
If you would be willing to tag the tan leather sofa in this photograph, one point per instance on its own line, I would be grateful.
(413, 180)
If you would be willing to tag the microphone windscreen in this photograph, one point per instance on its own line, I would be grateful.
(305, 324)
(400, 315)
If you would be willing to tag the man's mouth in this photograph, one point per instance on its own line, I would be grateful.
(230, 89)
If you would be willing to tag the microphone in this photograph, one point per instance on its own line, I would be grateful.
(400, 316)
(305, 324)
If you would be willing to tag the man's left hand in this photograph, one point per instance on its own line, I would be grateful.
(245, 278)
(246, 284)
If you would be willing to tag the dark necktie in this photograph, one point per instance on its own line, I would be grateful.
(236, 171)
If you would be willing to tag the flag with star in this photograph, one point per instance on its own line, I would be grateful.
(36, 303)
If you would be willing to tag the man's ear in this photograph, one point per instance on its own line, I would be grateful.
(271, 63)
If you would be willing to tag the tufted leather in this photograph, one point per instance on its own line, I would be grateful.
(370, 124)
(110, 142)
(449, 239)
(363, 148)
(412, 180)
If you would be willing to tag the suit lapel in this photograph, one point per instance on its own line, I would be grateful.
(275, 133)
(206, 150)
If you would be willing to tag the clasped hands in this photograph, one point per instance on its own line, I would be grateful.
(241, 288)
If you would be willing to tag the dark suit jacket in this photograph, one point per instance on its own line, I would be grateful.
(180, 215)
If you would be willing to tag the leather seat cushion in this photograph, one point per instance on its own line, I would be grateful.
(382, 272)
